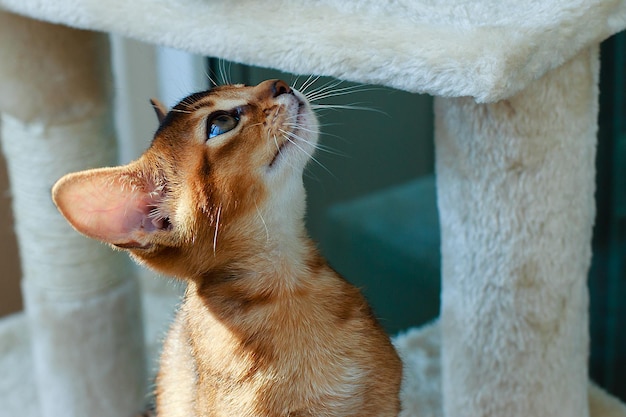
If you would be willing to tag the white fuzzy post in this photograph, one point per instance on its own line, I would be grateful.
(515, 185)
(81, 298)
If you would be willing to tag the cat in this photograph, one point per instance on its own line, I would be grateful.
(266, 328)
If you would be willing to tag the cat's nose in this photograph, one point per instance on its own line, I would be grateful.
(280, 87)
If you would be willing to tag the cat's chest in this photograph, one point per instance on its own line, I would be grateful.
(285, 366)
(264, 343)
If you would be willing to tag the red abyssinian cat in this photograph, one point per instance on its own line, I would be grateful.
(266, 328)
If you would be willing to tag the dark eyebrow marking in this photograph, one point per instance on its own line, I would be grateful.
(190, 102)
(186, 105)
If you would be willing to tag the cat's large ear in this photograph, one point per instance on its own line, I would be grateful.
(159, 109)
(104, 204)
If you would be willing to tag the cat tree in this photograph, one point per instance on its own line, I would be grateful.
(516, 107)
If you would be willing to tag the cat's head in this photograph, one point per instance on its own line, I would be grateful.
(223, 174)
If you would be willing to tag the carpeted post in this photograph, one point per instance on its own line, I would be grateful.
(81, 298)
(515, 195)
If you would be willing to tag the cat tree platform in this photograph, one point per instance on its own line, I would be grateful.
(516, 107)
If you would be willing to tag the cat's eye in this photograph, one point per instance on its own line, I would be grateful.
(221, 123)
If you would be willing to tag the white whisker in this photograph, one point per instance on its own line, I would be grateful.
(220, 70)
(267, 232)
(224, 73)
(294, 82)
(319, 146)
(276, 143)
(217, 226)
(332, 87)
(325, 87)
(321, 95)
(304, 84)
(308, 83)
(212, 75)
(344, 107)
(297, 126)
(181, 111)
(288, 136)
(208, 76)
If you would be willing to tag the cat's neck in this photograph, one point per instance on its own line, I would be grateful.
(240, 292)
(269, 264)
(277, 240)
(273, 251)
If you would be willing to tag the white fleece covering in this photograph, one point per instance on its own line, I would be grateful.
(80, 297)
(515, 178)
(82, 305)
(515, 194)
(487, 49)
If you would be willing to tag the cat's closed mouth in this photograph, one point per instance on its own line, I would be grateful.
(279, 152)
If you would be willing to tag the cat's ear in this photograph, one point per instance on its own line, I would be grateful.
(104, 204)
(159, 109)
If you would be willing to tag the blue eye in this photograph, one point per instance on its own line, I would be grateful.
(220, 124)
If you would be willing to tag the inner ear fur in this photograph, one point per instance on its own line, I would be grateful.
(108, 204)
